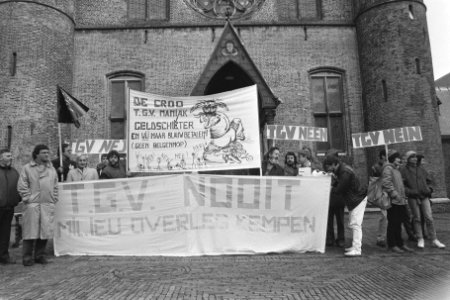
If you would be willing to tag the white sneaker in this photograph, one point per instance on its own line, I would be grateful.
(353, 252)
(437, 244)
(348, 249)
(421, 243)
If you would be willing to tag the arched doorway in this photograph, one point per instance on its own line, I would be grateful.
(229, 77)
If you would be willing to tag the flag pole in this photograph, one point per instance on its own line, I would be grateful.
(60, 152)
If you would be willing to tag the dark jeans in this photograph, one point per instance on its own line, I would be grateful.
(38, 246)
(6, 216)
(338, 213)
(396, 215)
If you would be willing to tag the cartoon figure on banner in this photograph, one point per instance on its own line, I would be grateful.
(224, 145)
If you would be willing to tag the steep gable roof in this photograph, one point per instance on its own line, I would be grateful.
(230, 48)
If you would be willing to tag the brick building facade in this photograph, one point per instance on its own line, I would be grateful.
(349, 65)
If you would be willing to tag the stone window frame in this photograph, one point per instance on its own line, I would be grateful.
(147, 4)
(117, 120)
(329, 72)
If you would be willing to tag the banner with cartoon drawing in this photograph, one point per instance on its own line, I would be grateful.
(173, 134)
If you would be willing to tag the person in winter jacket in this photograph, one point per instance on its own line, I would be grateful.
(9, 198)
(38, 187)
(418, 190)
(392, 183)
(354, 195)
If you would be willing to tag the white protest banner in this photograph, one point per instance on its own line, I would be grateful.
(386, 137)
(89, 146)
(297, 133)
(173, 134)
(184, 215)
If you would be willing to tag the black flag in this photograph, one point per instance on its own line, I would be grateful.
(69, 108)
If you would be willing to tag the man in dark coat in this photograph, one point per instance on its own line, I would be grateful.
(418, 190)
(9, 198)
(354, 195)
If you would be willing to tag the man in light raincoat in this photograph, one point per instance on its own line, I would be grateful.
(38, 187)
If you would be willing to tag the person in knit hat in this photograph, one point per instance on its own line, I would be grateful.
(418, 190)
(392, 184)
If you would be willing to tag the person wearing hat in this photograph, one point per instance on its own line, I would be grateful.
(392, 184)
(418, 190)
(349, 188)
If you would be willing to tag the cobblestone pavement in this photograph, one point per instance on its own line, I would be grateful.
(377, 274)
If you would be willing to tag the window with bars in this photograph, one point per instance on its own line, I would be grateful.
(149, 10)
(119, 84)
(327, 100)
(309, 9)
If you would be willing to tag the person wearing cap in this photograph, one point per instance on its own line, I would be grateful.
(392, 184)
(114, 169)
(354, 195)
(418, 190)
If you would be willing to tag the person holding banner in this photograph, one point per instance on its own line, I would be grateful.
(67, 163)
(38, 187)
(270, 166)
(392, 184)
(355, 197)
(418, 190)
(114, 169)
(290, 164)
(82, 172)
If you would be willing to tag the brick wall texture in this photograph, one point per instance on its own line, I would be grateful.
(393, 41)
(42, 38)
(77, 44)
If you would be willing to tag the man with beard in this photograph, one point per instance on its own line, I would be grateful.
(270, 166)
(114, 169)
(290, 164)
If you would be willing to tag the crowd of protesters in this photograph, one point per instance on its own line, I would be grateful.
(406, 182)
(404, 179)
(36, 186)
